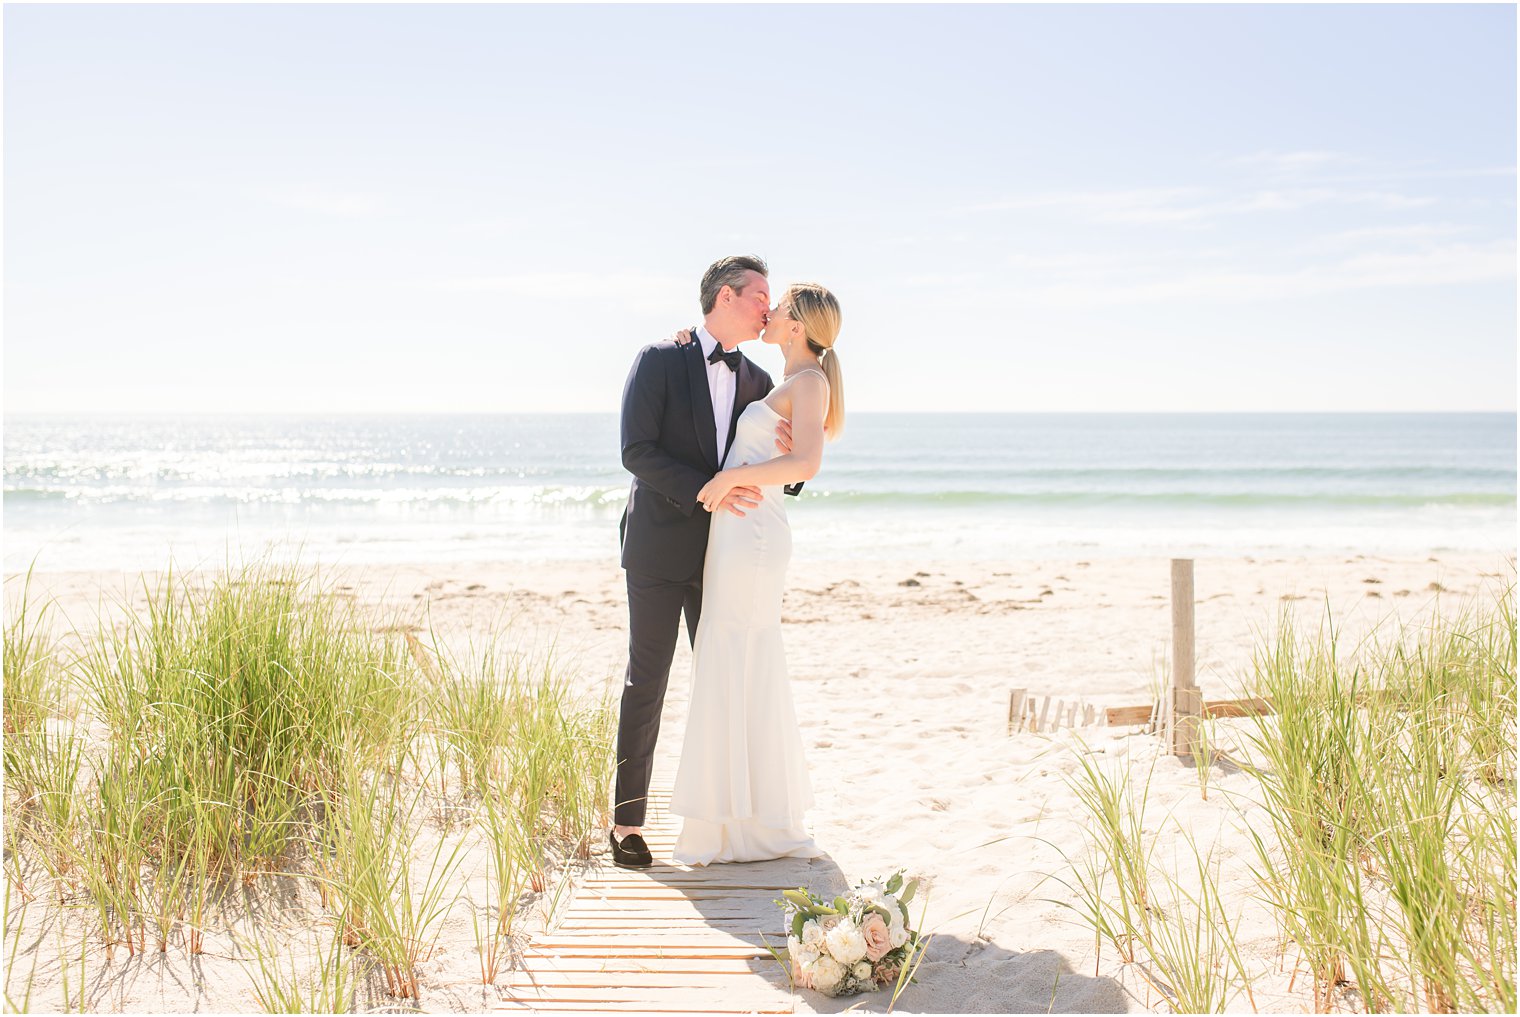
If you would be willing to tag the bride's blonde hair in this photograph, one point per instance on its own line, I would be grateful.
(817, 311)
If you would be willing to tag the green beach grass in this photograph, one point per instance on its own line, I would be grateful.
(1386, 775)
(255, 733)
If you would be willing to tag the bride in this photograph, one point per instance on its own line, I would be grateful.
(742, 784)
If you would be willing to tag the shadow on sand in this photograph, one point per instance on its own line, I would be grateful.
(957, 975)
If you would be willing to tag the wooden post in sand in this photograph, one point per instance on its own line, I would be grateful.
(1186, 701)
(1016, 709)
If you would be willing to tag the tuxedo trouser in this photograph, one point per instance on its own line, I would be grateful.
(654, 620)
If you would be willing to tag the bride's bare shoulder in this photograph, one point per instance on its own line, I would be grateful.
(808, 377)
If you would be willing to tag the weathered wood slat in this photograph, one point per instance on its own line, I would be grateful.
(676, 909)
(1123, 716)
(618, 966)
(763, 992)
(1237, 707)
(710, 1005)
(654, 887)
(613, 955)
(668, 939)
(663, 940)
(676, 979)
(591, 924)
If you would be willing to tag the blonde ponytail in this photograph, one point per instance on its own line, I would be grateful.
(818, 311)
(833, 421)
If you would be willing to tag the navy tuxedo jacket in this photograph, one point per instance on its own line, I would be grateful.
(670, 445)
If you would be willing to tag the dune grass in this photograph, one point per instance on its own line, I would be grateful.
(327, 986)
(1389, 774)
(31, 667)
(1386, 775)
(265, 734)
(1120, 854)
(535, 763)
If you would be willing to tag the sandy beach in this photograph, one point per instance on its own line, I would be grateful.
(901, 673)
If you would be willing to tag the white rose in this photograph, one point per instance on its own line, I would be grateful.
(806, 955)
(812, 934)
(897, 930)
(862, 972)
(827, 976)
(871, 893)
(793, 945)
(845, 943)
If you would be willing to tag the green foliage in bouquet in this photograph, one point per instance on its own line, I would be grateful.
(856, 942)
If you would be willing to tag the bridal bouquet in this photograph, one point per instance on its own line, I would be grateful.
(856, 942)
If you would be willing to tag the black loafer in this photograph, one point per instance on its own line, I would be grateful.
(631, 852)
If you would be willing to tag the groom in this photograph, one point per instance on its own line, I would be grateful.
(681, 405)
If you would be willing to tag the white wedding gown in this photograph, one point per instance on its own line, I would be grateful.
(742, 784)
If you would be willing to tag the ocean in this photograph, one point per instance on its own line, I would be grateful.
(132, 492)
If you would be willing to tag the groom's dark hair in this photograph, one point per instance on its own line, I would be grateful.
(729, 272)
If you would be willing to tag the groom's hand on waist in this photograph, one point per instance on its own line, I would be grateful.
(741, 498)
(784, 436)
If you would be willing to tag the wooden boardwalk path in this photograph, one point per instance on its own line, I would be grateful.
(670, 939)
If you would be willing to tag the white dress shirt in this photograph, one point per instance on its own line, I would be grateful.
(721, 385)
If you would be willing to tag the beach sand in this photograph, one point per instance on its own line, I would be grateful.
(901, 673)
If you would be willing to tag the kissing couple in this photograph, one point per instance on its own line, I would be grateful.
(712, 443)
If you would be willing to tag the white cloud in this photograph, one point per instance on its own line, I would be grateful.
(1391, 234)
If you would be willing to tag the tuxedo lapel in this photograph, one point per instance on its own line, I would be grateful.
(701, 403)
(746, 391)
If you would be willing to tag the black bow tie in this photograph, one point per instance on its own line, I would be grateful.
(731, 359)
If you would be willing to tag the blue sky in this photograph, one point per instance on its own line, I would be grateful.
(490, 208)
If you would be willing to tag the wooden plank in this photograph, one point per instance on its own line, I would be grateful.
(647, 952)
(662, 939)
(643, 1006)
(616, 967)
(1121, 716)
(1015, 707)
(655, 903)
(760, 991)
(625, 922)
(634, 978)
(674, 880)
(692, 891)
(1249, 707)
(673, 908)
(1237, 707)
(588, 927)
(654, 1001)
(669, 939)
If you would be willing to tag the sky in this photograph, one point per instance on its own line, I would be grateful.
(379, 209)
